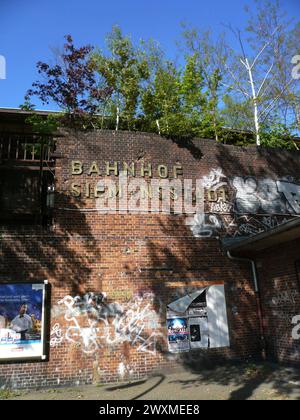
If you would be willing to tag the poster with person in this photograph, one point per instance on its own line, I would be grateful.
(21, 320)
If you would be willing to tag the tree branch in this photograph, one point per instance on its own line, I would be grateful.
(264, 47)
(236, 89)
(237, 81)
(265, 79)
(268, 109)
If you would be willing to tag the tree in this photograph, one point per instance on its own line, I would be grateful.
(270, 23)
(210, 56)
(236, 114)
(160, 102)
(71, 84)
(215, 90)
(255, 89)
(192, 98)
(261, 73)
(123, 71)
(179, 102)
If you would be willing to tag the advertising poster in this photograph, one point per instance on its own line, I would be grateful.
(178, 334)
(21, 320)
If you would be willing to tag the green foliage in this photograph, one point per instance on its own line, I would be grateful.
(6, 394)
(192, 83)
(277, 135)
(134, 87)
(181, 103)
(160, 102)
(41, 124)
(237, 114)
(124, 71)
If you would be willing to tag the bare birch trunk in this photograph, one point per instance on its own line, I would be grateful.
(255, 105)
(118, 119)
(158, 126)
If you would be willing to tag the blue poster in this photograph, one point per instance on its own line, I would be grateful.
(21, 320)
(178, 334)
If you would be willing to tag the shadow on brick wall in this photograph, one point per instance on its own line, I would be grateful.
(59, 252)
(264, 163)
(183, 263)
(189, 144)
(176, 267)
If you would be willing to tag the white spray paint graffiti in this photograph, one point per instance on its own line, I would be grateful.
(75, 333)
(56, 336)
(213, 180)
(263, 196)
(237, 207)
(205, 225)
(266, 196)
(286, 297)
(124, 370)
(93, 324)
(221, 207)
(213, 225)
(284, 305)
(291, 193)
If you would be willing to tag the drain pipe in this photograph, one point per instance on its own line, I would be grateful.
(258, 299)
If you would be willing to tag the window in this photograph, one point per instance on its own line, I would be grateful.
(25, 178)
(26, 148)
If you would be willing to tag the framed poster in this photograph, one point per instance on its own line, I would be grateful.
(23, 321)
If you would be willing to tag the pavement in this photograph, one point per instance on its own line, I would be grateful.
(262, 381)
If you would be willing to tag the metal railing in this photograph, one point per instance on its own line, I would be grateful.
(25, 147)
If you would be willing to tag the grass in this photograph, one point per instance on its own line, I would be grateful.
(5, 394)
(252, 370)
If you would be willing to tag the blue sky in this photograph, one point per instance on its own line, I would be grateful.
(30, 28)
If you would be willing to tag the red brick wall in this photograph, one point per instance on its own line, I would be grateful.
(280, 291)
(142, 262)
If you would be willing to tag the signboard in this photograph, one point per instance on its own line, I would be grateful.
(22, 321)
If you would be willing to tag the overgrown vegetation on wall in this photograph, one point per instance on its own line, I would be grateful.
(239, 95)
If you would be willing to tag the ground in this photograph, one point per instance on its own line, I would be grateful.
(231, 382)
